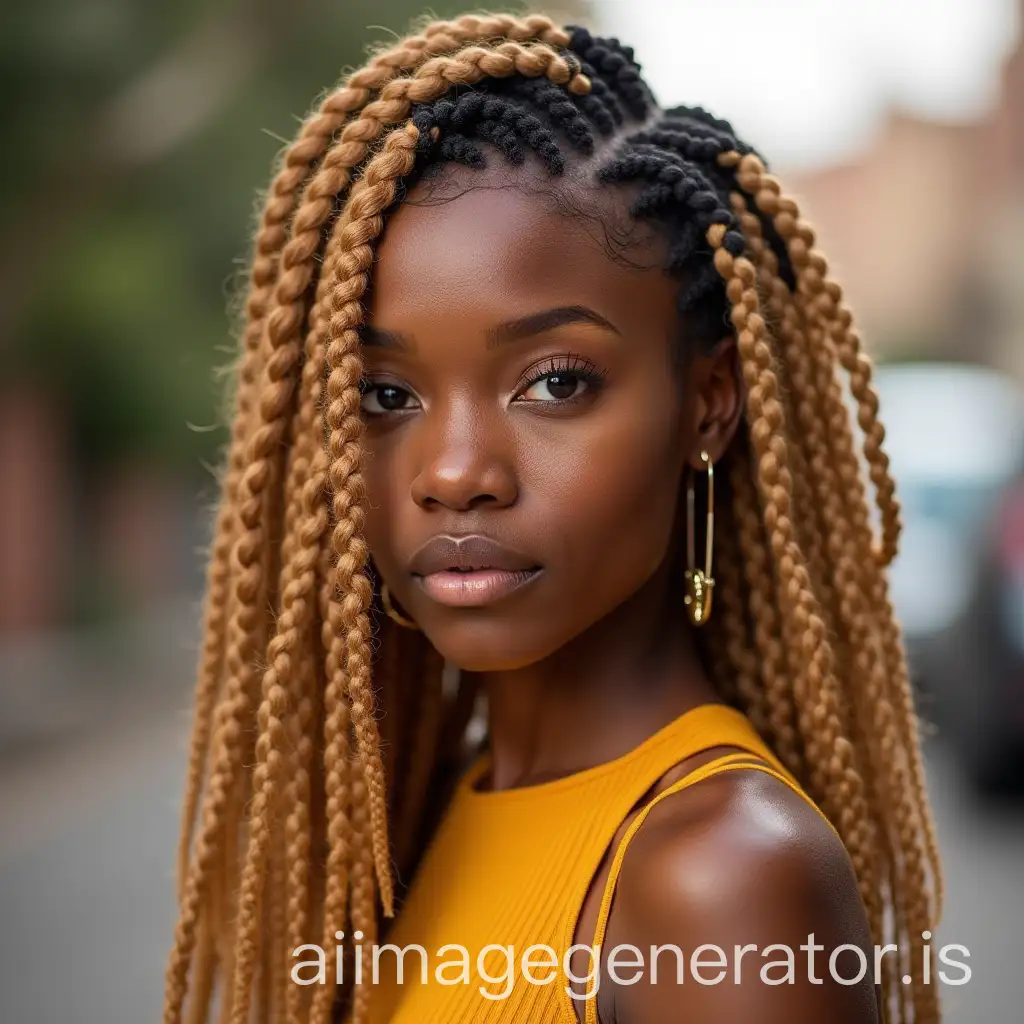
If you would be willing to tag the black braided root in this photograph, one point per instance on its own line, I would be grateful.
(673, 159)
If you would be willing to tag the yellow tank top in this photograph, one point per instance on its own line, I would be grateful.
(513, 868)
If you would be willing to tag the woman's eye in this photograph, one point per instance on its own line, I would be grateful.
(379, 399)
(556, 387)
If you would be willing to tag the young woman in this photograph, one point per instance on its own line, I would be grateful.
(544, 607)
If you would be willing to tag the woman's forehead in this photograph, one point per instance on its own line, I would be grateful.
(481, 237)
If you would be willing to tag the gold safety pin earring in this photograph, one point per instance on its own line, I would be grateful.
(700, 582)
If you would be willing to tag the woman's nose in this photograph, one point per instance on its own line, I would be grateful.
(466, 463)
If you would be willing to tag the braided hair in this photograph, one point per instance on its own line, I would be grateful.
(321, 729)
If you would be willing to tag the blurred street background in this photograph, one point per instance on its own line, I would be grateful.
(137, 136)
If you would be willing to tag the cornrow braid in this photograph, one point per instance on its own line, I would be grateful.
(489, 118)
(611, 62)
(325, 736)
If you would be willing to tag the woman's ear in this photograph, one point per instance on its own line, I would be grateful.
(720, 396)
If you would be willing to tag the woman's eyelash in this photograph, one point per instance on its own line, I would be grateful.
(571, 363)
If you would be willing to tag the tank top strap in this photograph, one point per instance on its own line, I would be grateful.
(626, 779)
(720, 765)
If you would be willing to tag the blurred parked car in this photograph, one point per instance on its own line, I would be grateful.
(983, 651)
(955, 437)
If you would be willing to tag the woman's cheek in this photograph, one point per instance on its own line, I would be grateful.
(616, 511)
(380, 525)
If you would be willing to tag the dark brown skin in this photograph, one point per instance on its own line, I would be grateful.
(591, 657)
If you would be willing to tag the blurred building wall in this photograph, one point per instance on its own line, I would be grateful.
(35, 509)
(999, 248)
(924, 232)
(894, 224)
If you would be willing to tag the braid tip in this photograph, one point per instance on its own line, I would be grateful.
(580, 85)
(387, 896)
(884, 554)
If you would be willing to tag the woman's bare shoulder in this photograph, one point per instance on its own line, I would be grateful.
(740, 861)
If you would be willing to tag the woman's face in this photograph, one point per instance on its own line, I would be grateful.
(520, 388)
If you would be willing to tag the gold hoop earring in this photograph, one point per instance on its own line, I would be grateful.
(699, 582)
(389, 609)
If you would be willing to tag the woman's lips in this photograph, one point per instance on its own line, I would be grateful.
(470, 570)
(468, 589)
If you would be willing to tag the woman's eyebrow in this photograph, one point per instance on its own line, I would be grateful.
(546, 320)
(502, 334)
(375, 337)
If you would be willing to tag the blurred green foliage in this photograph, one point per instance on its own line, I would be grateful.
(138, 136)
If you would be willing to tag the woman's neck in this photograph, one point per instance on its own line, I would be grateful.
(599, 695)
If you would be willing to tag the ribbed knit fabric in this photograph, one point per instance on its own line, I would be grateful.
(513, 868)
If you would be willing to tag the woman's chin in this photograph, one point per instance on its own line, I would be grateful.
(491, 647)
